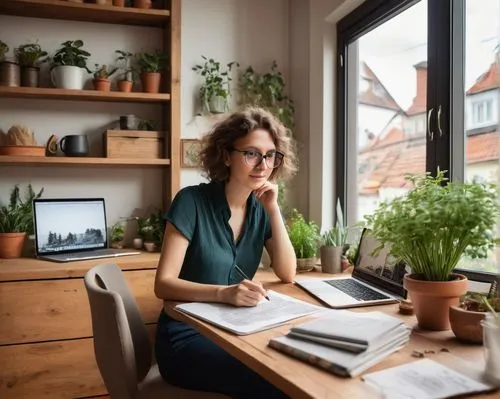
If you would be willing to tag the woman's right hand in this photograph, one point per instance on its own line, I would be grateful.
(246, 293)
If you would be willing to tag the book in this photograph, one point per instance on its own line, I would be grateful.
(335, 360)
(247, 320)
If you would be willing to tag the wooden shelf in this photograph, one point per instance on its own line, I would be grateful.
(43, 93)
(7, 160)
(66, 10)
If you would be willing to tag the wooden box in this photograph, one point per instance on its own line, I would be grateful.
(134, 144)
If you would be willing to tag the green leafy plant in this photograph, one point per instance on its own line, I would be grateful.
(102, 71)
(4, 49)
(117, 232)
(30, 55)
(436, 223)
(151, 228)
(267, 91)
(337, 235)
(126, 58)
(17, 216)
(304, 235)
(216, 80)
(71, 54)
(151, 62)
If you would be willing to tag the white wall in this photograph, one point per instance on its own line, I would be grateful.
(251, 32)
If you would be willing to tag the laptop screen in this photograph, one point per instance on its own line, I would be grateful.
(69, 225)
(381, 269)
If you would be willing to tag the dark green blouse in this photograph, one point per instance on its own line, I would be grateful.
(201, 213)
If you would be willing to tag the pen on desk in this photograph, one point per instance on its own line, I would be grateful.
(242, 273)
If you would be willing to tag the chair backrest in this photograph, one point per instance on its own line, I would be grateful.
(121, 342)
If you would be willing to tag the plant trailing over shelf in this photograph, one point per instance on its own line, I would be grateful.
(30, 55)
(215, 91)
(267, 91)
(71, 54)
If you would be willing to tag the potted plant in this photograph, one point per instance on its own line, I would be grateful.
(126, 82)
(491, 327)
(151, 230)
(466, 318)
(215, 92)
(101, 79)
(116, 234)
(304, 237)
(429, 229)
(69, 65)
(150, 67)
(16, 220)
(29, 56)
(9, 68)
(267, 91)
(334, 244)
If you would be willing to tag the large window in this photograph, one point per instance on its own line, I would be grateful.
(418, 90)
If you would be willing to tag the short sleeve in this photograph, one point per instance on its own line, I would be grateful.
(182, 212)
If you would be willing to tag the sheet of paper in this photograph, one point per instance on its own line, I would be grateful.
(245, 320)
(422, 379)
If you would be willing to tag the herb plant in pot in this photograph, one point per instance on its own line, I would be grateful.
(151, 230)
(9, 68)
(16, 220)
(126, 81)
(117, 233)
(29, 56)
(101, 79)
(304, 237)
(151, 65)
(334, 244)
(429, 229)
(69, 65)
(215, 92)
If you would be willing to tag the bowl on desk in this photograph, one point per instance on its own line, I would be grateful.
(466, 325)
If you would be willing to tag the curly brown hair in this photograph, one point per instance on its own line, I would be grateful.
(220, 140)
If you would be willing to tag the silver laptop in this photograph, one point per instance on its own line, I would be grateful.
(72, 229)
(375, 280)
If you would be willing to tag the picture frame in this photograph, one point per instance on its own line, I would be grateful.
(190, 148)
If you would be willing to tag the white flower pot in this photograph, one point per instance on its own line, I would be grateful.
(218, 105)
(491, 331)
(68, 77)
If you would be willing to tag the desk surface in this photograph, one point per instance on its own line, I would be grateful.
(302, 380)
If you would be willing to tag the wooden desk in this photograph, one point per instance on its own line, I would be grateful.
(302, 380)
(46, 345)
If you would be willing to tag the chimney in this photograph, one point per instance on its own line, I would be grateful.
(420, 100)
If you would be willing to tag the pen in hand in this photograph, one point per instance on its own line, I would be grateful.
(242, 273)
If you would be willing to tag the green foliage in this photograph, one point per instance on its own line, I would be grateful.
(151, 62)
(152, 228)
(477, 302)
(4, 49)
(303, 235)
(337, 235)
(217, 80)
(435, 223)
(126, 57)
(17, 216)
(267, 91)
(102, 72)
(30, 54)
(117, 232)
(71, 54)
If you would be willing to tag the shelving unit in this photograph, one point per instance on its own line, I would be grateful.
(46, 342)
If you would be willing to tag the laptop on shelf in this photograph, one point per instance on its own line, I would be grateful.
(375, 280)
(72, 229)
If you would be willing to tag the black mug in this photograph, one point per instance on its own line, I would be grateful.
(75, 145)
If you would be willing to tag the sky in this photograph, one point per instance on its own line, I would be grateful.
(394, 47)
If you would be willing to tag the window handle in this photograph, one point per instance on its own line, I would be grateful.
(429, 114)
(439, 122)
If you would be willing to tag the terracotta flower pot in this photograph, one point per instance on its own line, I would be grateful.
(11, 245)
(432, 299)
(125, 86)
(151, 82)
(142, 3)
(466, 324)
(119, 3)
(101, 84)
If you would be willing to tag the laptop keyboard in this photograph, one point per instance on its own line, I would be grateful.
(356, 290)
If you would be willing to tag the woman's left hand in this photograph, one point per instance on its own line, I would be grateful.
(267, 194)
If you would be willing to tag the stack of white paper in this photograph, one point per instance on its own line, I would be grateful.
(345, 342)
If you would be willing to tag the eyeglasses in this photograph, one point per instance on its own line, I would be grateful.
(273, 159)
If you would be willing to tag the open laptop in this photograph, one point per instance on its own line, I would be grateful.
(72, 229)
(375, 280)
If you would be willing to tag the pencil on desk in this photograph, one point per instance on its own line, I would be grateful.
(242, 273)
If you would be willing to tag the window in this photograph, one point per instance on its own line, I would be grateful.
(439, 61)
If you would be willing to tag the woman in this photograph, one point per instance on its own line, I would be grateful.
(210, 229)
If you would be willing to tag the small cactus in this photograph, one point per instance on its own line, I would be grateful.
(102, 72)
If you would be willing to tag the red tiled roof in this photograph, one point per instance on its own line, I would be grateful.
(385, 166)
(488, 80)
(368, 97)
(393, 136)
